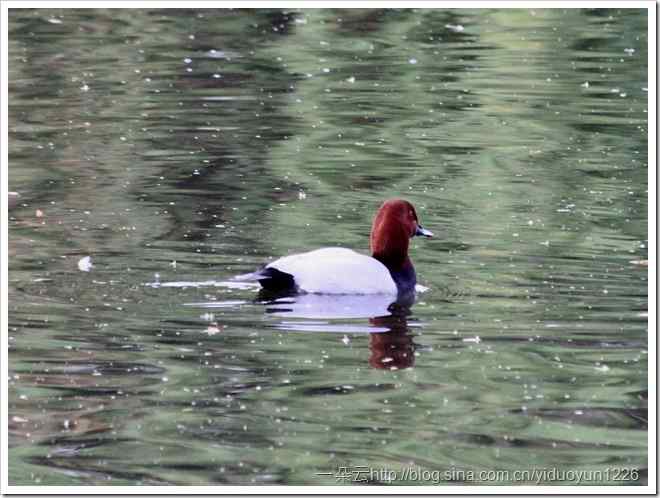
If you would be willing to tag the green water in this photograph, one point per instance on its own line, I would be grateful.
(178, 148)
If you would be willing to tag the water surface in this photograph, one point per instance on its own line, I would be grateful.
(178, 148)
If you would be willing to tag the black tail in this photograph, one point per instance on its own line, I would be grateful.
(271, 279)
(275, 280)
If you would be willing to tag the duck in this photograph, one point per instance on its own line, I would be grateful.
(338, 270)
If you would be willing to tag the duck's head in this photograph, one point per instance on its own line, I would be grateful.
(395, 224)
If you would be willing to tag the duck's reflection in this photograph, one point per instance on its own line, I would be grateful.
(395, 348)
(390, 339)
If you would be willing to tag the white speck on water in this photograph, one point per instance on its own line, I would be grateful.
(629, 51)
(476, 339)
(345, 340)
(585, 84)
(85, 264)
(217, 54)
(456, 28)
(216, 75)
(351, 79)
(85, 87)
(602, 368)
(302, 195)
(187, 60)
(412, 61)
(623, 95)
(53, 20)
(213, 329)
(326, 69)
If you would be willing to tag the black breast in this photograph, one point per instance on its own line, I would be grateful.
(405, 279)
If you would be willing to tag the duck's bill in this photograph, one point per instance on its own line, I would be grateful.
(423, 232)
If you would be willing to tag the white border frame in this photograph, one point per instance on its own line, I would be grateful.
(338, 490)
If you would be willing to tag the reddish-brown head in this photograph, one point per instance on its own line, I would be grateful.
(395, 223)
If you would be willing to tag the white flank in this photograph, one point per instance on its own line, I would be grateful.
(336, 270)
